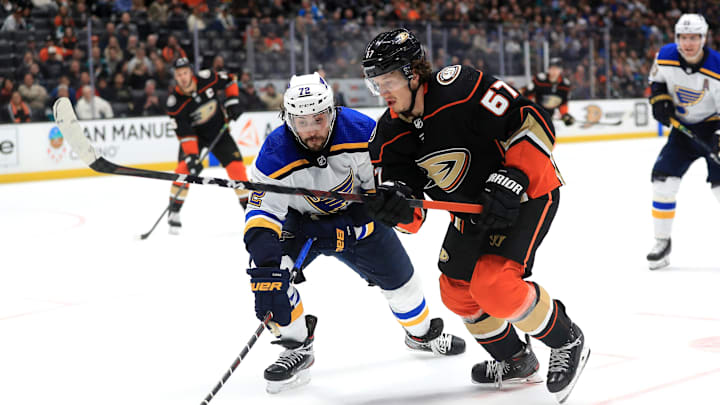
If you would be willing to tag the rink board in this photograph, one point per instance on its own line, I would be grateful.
(38, 151)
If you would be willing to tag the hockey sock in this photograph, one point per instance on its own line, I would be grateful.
(408, 306)
(497, 336)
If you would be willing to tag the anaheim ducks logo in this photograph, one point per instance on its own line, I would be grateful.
(203, 113)
(446, 168)
(331, 205)
(593, 114)
(400, 38)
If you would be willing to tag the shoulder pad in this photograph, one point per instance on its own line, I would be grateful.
(171, 101)
(668, 52)
(448, 74)
(566, 81)
(541, 76)
(205, 73)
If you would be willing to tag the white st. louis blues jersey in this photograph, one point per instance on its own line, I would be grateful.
(696, 95)
(280, 162)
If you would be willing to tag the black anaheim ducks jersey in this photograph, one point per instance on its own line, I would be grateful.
(550, 95)
(201, 113)
(472, 125)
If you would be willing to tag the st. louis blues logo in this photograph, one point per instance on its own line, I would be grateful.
(687, 97)
(330, 205)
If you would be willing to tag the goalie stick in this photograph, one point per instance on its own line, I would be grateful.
(707, 148)
(72, 131)
(268, 316)
(167, 208)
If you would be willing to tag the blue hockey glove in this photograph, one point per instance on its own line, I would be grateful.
(270, 286)
(334, 231)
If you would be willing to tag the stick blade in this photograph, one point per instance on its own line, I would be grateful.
(71, 129)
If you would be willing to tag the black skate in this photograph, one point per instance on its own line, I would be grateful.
(659, 256)
(291, 368)
(566, 365)
(174, 223)
(442, 344)
(520, 368)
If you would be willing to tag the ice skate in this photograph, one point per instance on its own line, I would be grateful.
(442, 344)
(566, 365)
(659, 256)
(174, 223)
(520, 368)
(291, 368)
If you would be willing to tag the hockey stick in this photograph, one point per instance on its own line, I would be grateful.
(268, 315)
(682, 128)
(204, 155)
(72, 131)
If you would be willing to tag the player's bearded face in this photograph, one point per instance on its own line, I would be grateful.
(690, 45)
(313, 130)
(183, 77)
(393, 88)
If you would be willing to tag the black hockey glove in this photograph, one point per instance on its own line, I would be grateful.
(568, 119)
(663, 108)
(390, 206)
(501, 199)
(193, 164)
(270, 286)
(233, 108)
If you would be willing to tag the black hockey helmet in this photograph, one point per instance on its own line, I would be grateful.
(181, 63)
(390, 51)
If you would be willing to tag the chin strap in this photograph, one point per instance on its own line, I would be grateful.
(413, 93)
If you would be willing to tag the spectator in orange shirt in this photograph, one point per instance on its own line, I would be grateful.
(17, 110)
(173, 50)
(52, 51)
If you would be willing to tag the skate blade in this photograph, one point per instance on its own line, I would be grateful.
(299, 379)
(533, 378)
(563, 394)
(658, 264)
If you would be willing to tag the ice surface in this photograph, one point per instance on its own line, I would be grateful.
(90, 315)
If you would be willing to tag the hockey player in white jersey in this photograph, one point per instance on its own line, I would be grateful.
(324, 147)
(685, 82)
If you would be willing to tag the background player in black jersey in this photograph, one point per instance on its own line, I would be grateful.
(551, 90)
(460, 135)
(195, 107)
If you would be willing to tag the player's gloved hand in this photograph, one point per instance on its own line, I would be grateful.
(193, 163)
(233, 108)
(663, 110)
(501, 198)
(270, 286)
(334, 231)
(390, 206)
(568, 119)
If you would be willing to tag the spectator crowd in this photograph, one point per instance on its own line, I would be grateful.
(47, 46)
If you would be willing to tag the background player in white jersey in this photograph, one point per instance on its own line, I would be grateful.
(685, 81)
(324, 147)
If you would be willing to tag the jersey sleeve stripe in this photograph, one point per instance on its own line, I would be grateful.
(668, 62)
(349, 146)
(288, 168)
(542, 120)
(262, 221)
(477, 84)
(179, 108)
(398, 136)
(710, 73)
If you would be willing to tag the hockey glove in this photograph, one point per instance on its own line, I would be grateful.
(334, 231)
(501, 198)
(270, 286)
(390, 206)
(233, 108)
(193, 164)
(568, 119)
(663, 108)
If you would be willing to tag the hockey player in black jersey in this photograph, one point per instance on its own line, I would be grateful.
(195, 109)
(551, 90)
(461, 135)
